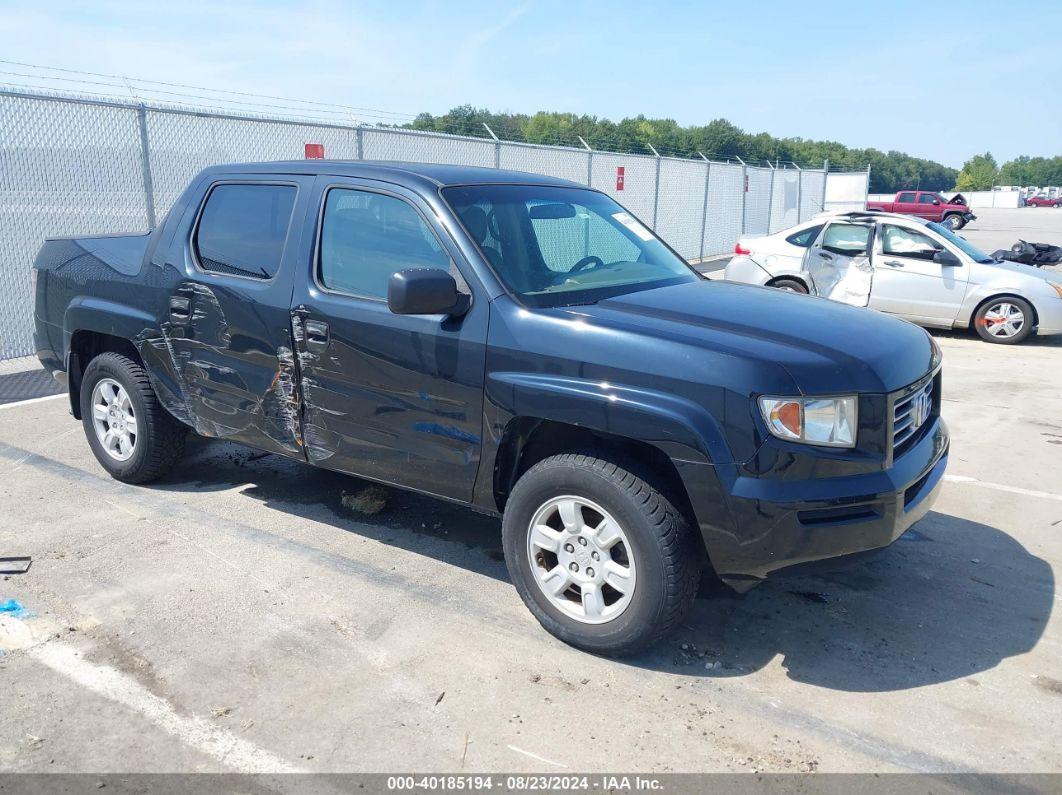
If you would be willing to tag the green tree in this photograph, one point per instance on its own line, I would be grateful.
(719, 139)
(980, 172)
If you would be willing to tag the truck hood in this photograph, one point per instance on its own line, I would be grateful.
(826, 347)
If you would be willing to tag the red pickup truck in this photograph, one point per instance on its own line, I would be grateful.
(926, 204)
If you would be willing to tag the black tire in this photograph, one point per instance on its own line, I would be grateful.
(160, 438)
(981, 324)
(790, 285)
(661, 544)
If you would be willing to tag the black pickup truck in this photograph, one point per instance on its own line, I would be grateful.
(515, 343)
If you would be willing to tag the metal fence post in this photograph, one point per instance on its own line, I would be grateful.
(589, 161)
(866, 193)
(360, 144)
(497, 145)
(800, 192)
(656, 187)
(825, 179)
(704, 207)
(744, 190)
(145, 166)
(770, 200)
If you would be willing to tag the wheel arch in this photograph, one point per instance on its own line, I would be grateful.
(528, 440)
(1005, 294)
(789, 277)
(85, 345)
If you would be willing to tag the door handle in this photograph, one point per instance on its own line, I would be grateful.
(894, 264)
(825, 255)
(316, 335)
(180, 308)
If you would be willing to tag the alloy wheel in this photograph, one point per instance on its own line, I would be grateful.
(114, 420)
(581, 559)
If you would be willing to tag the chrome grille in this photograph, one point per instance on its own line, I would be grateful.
(910, 413)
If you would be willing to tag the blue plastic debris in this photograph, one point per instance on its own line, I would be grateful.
(14, 608)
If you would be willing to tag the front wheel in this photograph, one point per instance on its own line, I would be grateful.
(602, 559)
(130, 433)
(954, 222)
(1006, 321)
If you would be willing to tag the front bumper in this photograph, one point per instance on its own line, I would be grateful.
(774, 525)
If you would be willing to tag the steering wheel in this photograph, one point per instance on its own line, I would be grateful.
(585, 263)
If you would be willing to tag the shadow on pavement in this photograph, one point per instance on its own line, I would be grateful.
(950, 599)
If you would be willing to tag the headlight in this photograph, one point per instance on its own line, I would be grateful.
(825, 421)
(937, 354)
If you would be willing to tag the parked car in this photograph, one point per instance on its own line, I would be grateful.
(931, 206)
(1043, 201)
(919, 270)
(515, 343)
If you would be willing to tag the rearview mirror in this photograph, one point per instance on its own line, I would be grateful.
(552, 211)
(946, 258)
(425, 291)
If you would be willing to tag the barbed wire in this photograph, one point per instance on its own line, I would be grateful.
(142, 90)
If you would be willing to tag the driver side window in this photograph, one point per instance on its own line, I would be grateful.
(899, 242)
(367, 236)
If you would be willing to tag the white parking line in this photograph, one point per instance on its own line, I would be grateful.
(30, 400)
(534, 756)
(34, 638)
(1047, 495)
(193, 731)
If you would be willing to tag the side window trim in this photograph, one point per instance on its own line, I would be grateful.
(315, 265)
(193, 243)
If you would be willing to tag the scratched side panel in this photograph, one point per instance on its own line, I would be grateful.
(234, 367)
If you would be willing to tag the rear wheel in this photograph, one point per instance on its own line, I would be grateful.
(790, 286)
(132, 436)
(602, 559)
(1006, 320)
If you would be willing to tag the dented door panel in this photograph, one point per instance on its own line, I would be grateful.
(222, 359)
(838, 264)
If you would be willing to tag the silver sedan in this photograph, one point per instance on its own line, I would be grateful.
(916, 269)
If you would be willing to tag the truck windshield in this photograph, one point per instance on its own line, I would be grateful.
(968, 248)
(556, 246)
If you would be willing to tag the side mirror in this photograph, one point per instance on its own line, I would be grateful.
(946, 258)
(425, 291)
(936, 201)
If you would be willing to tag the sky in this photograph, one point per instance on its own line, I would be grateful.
(942, 80)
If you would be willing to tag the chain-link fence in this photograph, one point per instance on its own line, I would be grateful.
(70, 165)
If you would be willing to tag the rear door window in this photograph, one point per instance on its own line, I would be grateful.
(243, 228)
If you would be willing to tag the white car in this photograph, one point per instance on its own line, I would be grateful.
(905, 266)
